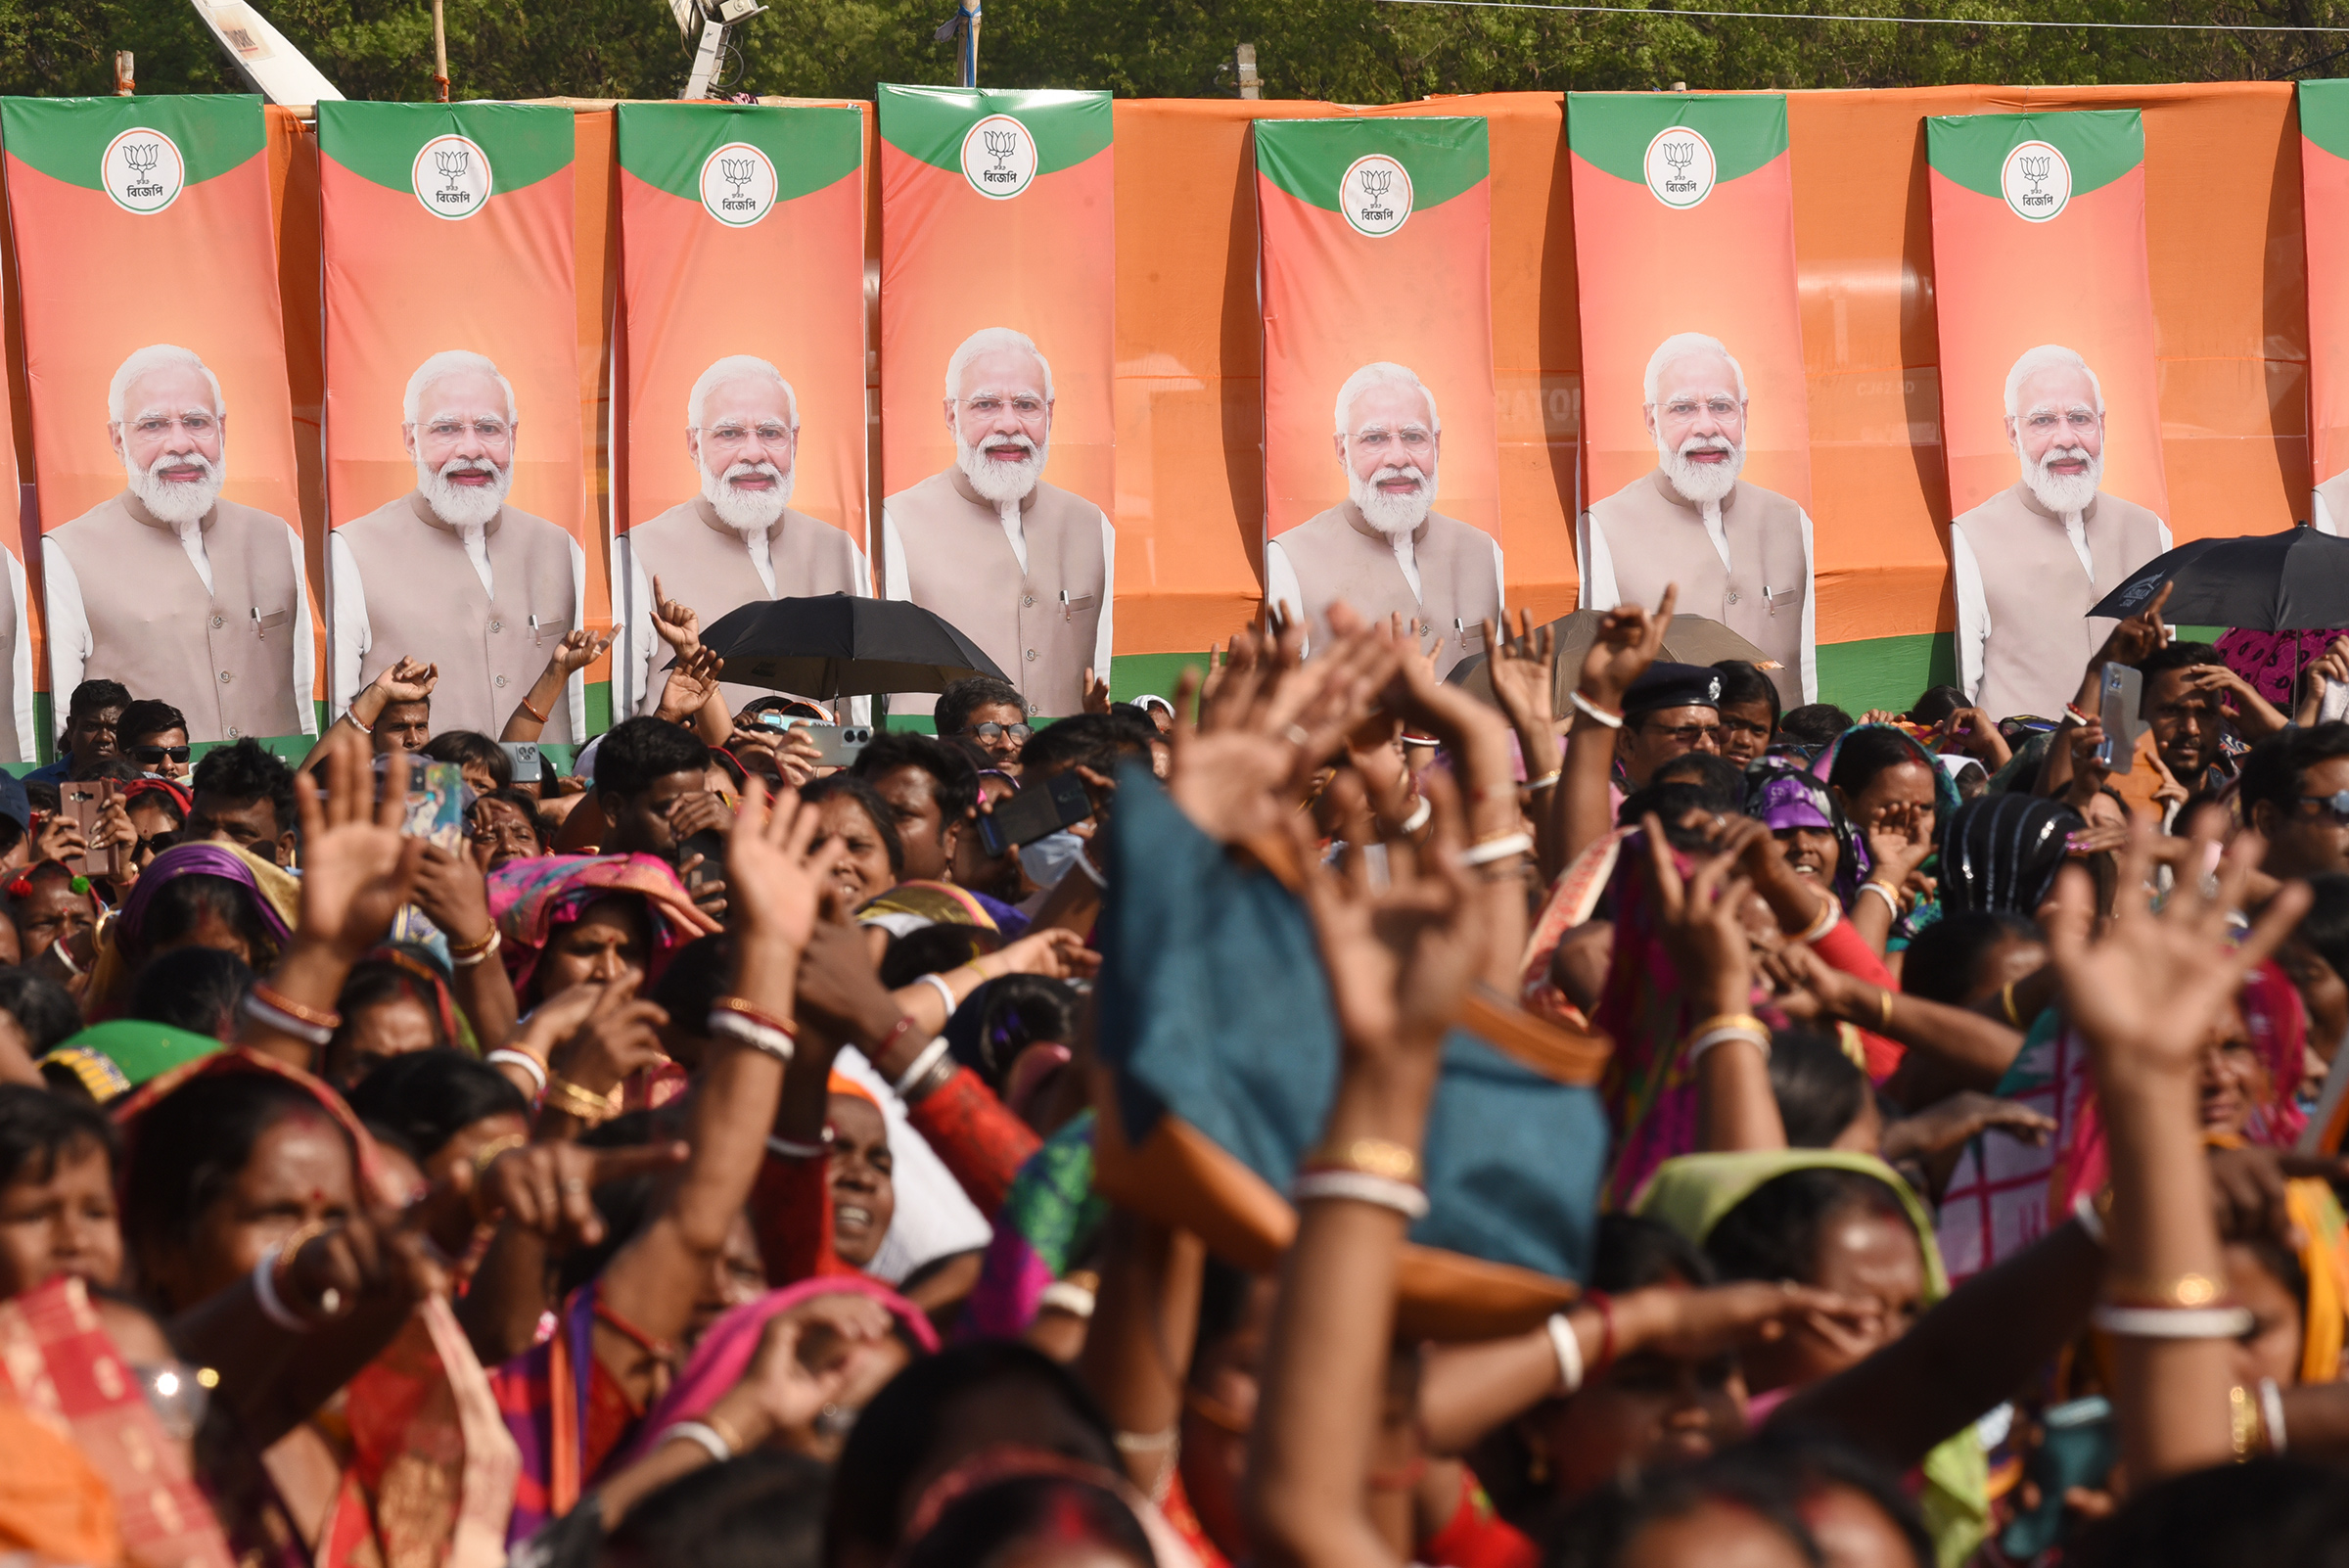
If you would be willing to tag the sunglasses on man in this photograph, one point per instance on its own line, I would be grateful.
(990, 730)
(152, 755)
(2336, 806)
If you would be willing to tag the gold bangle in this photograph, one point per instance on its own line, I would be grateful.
(2006, 1001)
(2242, 1422)
(1370, 1156)
(2182, 1291)
(563, 1095)
(1727, 1020)
(725, 1432)
(467, 949)
(972, 964)
(1884, 997)
(487, 1154)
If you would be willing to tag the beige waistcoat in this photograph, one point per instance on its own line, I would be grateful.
(2041, 634)
(960, 565)
(424, 598)
(2335, 492)
(226, 659)
(703, 563)
(1337, 556)
(1656, 538)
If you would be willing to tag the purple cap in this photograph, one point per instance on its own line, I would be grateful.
(1789, 801)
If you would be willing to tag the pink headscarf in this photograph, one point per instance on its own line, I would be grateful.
(724, 1354)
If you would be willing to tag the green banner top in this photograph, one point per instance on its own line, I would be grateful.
(2098, 146)
(932, 124)
(1613, 131)
(1309, 159)
(2325, 114)
(810, 145)
(381, 142)
(68, 138)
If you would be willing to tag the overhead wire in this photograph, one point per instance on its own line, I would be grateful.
(1917, 21)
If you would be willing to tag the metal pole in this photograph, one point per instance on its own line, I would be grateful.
(970, 42)
(123, 73)
(1244, 68)
(439, 55)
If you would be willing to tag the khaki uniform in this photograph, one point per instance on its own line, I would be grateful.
(1337, 556)
(224, 659)
(425, 599)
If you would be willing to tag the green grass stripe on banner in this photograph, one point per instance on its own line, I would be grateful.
(813, 146)
(1611, 131)
(1309, 157)
(65, 138)
(525, 142)
(930, 123)
(2100, 144)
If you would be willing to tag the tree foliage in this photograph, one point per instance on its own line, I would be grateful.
(1350, 51)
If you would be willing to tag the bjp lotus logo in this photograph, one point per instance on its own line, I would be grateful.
(2036, 181)
(1680, 166)
(142, 170)
(737, 185)
(998, 156)
(1375, 196)
(451, 177)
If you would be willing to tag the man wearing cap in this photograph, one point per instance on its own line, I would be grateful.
(1671, 711)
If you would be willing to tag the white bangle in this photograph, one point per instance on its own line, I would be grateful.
(264, 1291)
(65, 956)
(1891, 899)
(1418, 819)
(921, 1065)
(723, 1023)
(2173, 1322)
(787, 1149)
(945, 992)
(504, 1057)
(1361, 1186)
(2084, 1209)
(1583, 705)
(1067, 1296)
(285, 1023)
(468, 960)
(1569, 1353)
(1826, 922)
(1544, 781)
(1084, 863)
(1500, 848)
(702, 1435)
(1728, 1032)
(2271, 1412)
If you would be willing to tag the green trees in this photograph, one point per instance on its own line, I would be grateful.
(1352, 51)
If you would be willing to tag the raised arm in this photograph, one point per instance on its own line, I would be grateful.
(1523, 669)
(1629, 640)
(1735, 1108)
(576, 652)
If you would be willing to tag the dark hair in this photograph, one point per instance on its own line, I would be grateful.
(246, 772)
(148, 716)
(463, 746)
(193, 1142)
(371, 983)
(37, 1129)
(1866, 752)
(636, 751)
(119, 768)
(933, 950)
(428, 1097)
(1671, 802)
(1223, 1291)
(991, 1520)
(1014, 1012)
(1598, 1531)
(195, 989)
(955, 704)
(1818, 1089)
(894, 1439)
(698, 974)
(2326, 925)
(1722, 780)
(762, 1509)
(2266, 1513)
(521, 801)
(2178, 656)
(954, 782)
(1813, 1462)
(1772, 1234)
(43, 1009)
(96, 696)
(1812, 723)
(1098, 741)
(868, 799)
(2277, 770)
(1945, 959)
(180, 904)
(1742, 681)
(1634, 1252)
(162, 800)
(1936, 703)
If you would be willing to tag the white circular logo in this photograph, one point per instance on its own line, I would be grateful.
(141, 170)
(1680, 166)
(1375, 195)
(737, 185)
(998, 158)
(451, 177)
(2036, 181)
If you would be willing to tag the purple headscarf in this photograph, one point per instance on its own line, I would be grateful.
(210, 859)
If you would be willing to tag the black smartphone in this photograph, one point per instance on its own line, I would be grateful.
(711, 846)
(1057, 802)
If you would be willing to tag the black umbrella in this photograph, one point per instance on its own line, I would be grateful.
(839, 645)
(2296, 580)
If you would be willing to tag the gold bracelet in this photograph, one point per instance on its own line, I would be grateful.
(1884, 1023)
(726, 1431)
(561, 1094)
(467, 949)
(2182, 1291)
(486, 1155)
(2006, 1001)
(1370, 1156)
(2242, 1422)
(1726, 1021)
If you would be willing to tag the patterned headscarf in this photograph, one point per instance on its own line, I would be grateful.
(529, 897)
(2002, 852)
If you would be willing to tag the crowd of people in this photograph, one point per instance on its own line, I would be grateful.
(1665, 1129)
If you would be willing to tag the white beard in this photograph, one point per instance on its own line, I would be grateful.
(1701, 482)
(463, 506)
(748, 511)
(1004, 484)
(175, 503)
(1392, 515)
(2062, 493)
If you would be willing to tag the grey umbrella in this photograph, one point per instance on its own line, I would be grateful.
(1689, 640)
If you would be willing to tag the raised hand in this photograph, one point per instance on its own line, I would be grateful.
(619, 1036)
(1703, 924)
(1972, 731)
(1096, 692)
(410, 681)
(2130, 641)
(547, 1189)
(1947, 1123)
(581, 648)
(1628, 641)
(1524, 672)
(1054, 953)
(679, 624)
(775, 880)
(453, 895)
(357, 868)
(692, 683)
